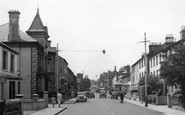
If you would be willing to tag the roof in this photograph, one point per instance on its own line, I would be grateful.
(37, 24)
(4, 30)
(4, 45)
(160, 49)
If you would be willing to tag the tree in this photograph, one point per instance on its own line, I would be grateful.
(153, 81)
(173, 70)
(86, 84)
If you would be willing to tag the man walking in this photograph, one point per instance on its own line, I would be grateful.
(59, 98)
(122, 95)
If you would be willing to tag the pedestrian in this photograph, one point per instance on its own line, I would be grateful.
(121, 96)
(59, 98)
(53, 100)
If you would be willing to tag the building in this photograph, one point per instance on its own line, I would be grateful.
(10, 81)
(34, 54)
(135, 75)
(158, 53)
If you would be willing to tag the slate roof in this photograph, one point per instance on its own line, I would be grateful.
(37, 24)
(4, 30)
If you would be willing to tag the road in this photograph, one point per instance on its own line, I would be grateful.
(108, 106)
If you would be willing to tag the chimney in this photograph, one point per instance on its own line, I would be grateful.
(182, 32)
(49, 43)
(14, 26)
(169, 38)
(153, 46)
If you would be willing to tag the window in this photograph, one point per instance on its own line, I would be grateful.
(133, 79)
(19, 87)
(156, 60)
(160, 56)
(12, 90)
(5, 60)
(140, 75)
(12, 66)
(150, 63)
(157, 73)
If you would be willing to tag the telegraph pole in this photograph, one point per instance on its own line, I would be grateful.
(146, 71)
(57, 71)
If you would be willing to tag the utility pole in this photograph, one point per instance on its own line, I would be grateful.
(146, 71)
(57, 71)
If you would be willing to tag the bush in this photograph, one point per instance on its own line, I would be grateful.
(152, 99)
(2, 107)
(13, 105)
(178, 99)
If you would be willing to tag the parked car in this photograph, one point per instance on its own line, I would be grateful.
(92, 95)
(81, 96)
(114, 95)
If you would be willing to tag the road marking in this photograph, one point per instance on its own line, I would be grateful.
(112, 113)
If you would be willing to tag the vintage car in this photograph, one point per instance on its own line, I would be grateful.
(92, 94)
(103, 93)
(114, 95)
(81, 96)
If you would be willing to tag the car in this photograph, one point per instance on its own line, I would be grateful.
(92, 95)
(81, 96)
(114, 95)
(103, 93)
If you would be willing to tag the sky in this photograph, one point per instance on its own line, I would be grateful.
(83, 28)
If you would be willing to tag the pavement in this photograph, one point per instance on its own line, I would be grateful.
(51, 110)
(160, 108)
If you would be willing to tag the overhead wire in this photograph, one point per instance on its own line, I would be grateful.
(103, 50)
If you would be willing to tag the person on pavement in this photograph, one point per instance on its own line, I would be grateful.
(59, 98)
(121, 96)
(53, 99)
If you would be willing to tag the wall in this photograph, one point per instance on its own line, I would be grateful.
(24, 64)
(29, 104)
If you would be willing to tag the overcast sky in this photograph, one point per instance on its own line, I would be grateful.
(83, 28)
